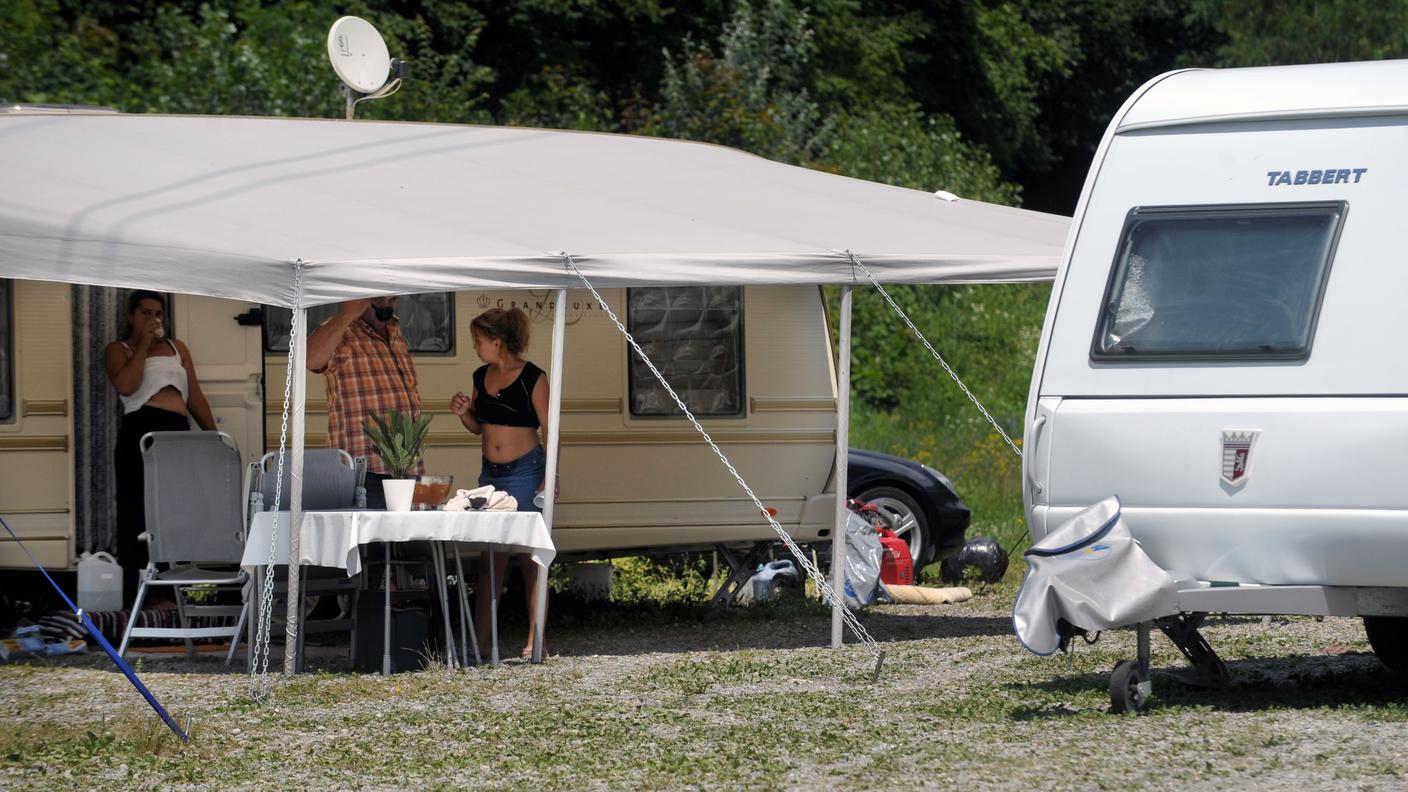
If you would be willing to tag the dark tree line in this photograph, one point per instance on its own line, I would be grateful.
(986, 98)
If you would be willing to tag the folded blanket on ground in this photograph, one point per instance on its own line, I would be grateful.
(63, 625)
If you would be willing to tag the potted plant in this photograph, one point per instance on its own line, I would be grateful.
(400, 441)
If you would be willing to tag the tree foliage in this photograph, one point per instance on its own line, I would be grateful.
(1275, 32)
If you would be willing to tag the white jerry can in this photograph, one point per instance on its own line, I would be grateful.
(99, 582)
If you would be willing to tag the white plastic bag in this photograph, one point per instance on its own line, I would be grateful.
(862, 567)
(1092, 573)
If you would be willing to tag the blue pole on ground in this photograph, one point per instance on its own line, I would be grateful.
(103, 642)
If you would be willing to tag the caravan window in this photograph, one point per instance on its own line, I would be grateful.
(694, 335)
(427, 320)
(7, 354)
(1226, 282)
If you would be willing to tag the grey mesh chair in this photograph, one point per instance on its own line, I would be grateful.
(332, 479)
(194, 528)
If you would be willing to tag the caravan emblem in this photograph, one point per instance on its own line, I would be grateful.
(1237, 454)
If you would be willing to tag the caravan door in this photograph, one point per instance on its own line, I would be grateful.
(229, 364)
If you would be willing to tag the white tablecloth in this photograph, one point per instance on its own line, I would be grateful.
(331, 538)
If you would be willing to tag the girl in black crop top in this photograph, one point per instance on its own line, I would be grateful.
(512, 405)
(508, 405)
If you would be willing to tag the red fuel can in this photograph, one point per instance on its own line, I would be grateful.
(896, 567)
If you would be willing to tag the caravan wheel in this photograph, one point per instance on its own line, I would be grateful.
(1129, 688)
(1389, 637)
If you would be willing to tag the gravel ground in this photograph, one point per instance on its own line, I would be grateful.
(747, 698)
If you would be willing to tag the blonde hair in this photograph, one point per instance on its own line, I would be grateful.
(509, 325)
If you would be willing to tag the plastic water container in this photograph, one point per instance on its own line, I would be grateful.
(772, 577)
(99, 582)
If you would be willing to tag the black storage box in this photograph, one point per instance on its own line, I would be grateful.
(411, 641)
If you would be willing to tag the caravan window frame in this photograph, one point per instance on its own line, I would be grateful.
(633, 362)
(270, 348)
(1337, 211)
(7, 347)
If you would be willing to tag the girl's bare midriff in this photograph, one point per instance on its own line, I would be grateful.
(507, 443)
(168, 398)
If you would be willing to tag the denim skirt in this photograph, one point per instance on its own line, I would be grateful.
(519, 478)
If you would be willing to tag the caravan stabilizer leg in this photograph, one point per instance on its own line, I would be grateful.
(739, 572)
(1130, 687)
(1208, 669)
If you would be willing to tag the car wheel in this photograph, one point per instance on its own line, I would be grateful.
(906, 517)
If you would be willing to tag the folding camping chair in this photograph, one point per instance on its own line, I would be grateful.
(194, 527)
(332, 479)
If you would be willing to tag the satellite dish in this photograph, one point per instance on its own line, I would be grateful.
(358, 54)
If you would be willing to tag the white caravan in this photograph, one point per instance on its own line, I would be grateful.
(1223, 345)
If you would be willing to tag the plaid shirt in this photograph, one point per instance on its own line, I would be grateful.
(368, 375)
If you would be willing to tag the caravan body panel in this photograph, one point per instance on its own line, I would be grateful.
(36, 451)
(1319, 503)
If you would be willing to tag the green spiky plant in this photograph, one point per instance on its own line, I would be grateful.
(399, 440)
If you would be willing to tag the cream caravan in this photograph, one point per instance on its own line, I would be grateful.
(754, 362)
(1222, 348)
(635, 477)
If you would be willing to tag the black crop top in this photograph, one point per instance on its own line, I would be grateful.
(514, 404)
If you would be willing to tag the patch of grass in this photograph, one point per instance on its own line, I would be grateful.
(958, 705)
(145, 740)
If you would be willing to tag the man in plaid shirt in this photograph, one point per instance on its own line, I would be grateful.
(368, 369)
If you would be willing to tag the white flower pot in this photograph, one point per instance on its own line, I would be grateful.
(399, 493)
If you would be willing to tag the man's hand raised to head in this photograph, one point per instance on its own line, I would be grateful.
(323, 342)
(354, 308)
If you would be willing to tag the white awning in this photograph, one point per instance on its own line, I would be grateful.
(220, 206)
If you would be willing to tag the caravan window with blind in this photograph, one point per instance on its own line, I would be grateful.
(694, 335)
(1241, 282)
(427, 321)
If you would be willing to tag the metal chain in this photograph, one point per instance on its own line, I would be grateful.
(823, 585)
(259, 686)
(936, 354)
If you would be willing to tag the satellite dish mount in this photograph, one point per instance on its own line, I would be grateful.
(360, 58)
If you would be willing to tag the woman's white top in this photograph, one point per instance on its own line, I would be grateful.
(159, 371)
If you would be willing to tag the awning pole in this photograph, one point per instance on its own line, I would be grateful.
(295, 498)
(843, 428)
(559, 332)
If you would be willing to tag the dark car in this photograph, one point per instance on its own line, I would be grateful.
(919, 500)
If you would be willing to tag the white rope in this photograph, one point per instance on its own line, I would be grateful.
(259, 687)
(935, 353)
(822, 584)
